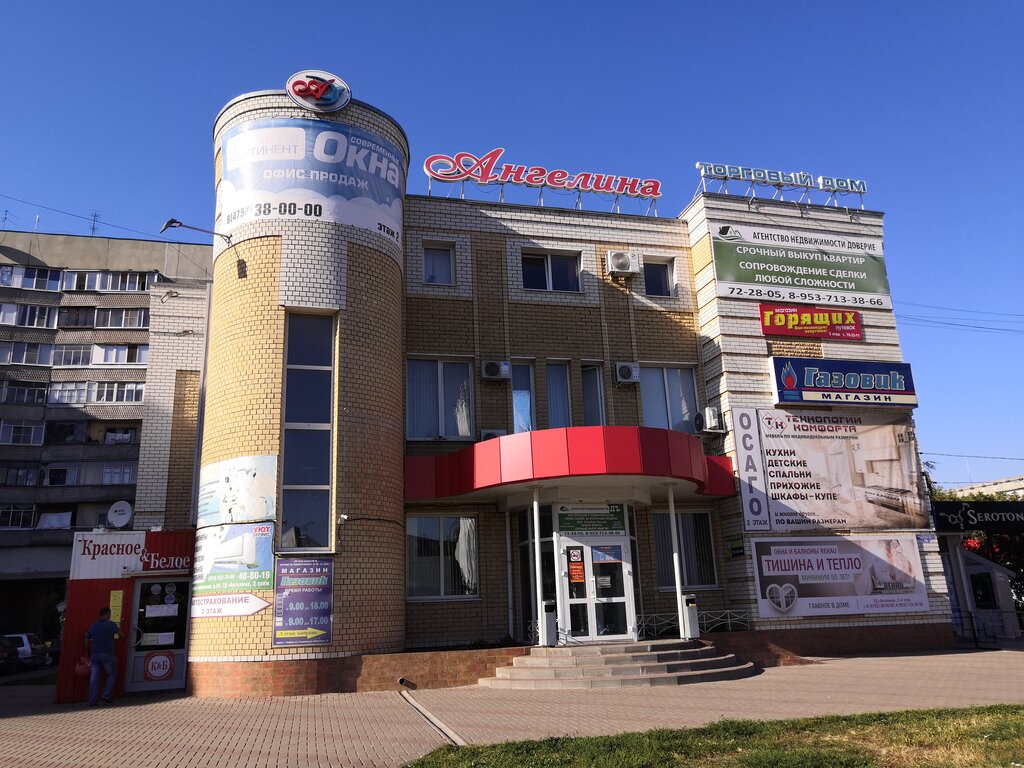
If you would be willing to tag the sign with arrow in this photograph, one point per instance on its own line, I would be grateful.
(217, 606)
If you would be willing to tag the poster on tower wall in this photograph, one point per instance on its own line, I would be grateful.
(774, 264)
(827, 576)
(234, 558)
(238, 490)
(805, 470)
(284, 169)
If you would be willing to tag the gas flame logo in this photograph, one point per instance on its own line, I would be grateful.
(788, 376)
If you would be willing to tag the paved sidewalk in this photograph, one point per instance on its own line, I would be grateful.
(381, 729)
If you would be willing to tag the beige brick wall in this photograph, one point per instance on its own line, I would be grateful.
(181, 457)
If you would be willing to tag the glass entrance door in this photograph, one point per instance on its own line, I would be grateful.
(597, 589)
(156, 654)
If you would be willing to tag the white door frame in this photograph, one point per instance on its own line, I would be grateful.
(591, 599)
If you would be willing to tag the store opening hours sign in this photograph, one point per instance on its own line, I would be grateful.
(303, 601)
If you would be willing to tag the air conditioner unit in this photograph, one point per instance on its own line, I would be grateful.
(490, 434)
(709, 421)
(622, 263)
(239, 552)
(496, 369)
(627, 373)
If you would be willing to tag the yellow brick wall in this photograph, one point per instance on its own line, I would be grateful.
(181, 459)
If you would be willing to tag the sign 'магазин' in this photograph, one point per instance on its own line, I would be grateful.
(464, 166)
(848, 382)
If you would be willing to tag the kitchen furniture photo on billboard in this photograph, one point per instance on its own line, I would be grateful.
(838, 470)
(835, 575)
(816, 381)
(773, 264)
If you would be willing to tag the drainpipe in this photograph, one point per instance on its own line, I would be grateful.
(542, 629)
(508, 572)
(677, 571)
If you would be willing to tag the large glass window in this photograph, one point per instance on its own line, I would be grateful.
(20, 432)
(551, 272)
(437, 264)
(559, 412)
(14, 474)
(308, 409)
(72, 355)
(122, 318)
(593, 395)
(76, 317)
(26, 353)
(669, 398)
(27, 392)
(438, 400)
(522, 397)
(33, 316)
(120, 354)
(696, 549)
(442, 558)
(17, 516)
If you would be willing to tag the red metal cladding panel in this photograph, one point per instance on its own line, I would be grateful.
(697, 463)
(487, 463)
(586, 451)
(463, 466)
(516, 458)
(85, 597)
(654, 452)
(720, 477)
(550, 453)
(419, 477)
(622, 451)
(679, 454)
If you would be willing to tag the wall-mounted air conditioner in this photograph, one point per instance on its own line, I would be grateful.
(622, 262)
(490, 434)
(496, 369)
(709, 421)
(627, 373)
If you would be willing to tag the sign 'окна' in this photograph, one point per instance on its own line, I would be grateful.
(484, 170)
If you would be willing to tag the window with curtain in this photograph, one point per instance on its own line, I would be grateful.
(669, 398)
(551, 272)
(696, 550)
(308, 415)
(437, 264)
(438, 400)
(442, 557)
(559, 413)
(522, 397)
(593, 395)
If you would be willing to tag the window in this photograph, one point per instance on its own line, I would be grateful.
(76, 317)
(522, 397)
(17, 516)
(696, 550)
(26, 392)
(68, 393)
(116, 392)
(34, 316)
(441, 557)
(559, 412)
(26, 353)
(551, 272)
(19, 475)
(308, 411)
(19, 432)
(65, 432)
(658, 277)
(122, 318)
(593, 395)
(110, 473)
(81, 281)
(72, 355)
(120, 354)
(437, 264)
(108, 281)
(669, 398)
(439, 400)
(30, 278)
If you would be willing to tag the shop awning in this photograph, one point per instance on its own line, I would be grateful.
(551, 457)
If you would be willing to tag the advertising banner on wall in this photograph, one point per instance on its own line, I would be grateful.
(239, 490)
(116, 554)
(810, 322)
(850, 382)
(826, 576)
(309, 170)
(767, 263)
(987, 516)
(812, 470)
(304, 593)
(591, 519)
(234, 558)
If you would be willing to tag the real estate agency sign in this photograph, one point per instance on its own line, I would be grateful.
(115, 555)
(773, 264)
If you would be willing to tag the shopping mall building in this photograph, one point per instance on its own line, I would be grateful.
(431, 422)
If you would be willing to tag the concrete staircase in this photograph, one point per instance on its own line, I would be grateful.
(659, 662)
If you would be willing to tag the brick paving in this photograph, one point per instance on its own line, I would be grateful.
(380, 729)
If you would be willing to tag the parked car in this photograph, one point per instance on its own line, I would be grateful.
(10, 659)
(53, 652)
(31, 650)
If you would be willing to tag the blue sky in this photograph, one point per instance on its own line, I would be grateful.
(110, 107)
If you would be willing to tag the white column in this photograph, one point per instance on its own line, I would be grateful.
(676, 563)
(561, 610)
(542, 630)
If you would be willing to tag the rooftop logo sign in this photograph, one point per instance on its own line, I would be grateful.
(725, 172)
(464, 166)
(318, 91)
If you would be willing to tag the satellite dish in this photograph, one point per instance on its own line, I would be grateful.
(119, 514)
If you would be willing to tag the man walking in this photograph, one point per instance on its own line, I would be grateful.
(99, 645)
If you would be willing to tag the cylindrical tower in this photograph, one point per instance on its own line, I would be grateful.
(300, 500)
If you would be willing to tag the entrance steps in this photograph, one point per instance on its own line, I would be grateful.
(658, 662)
